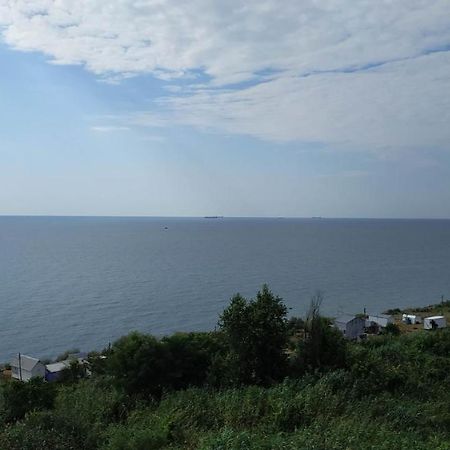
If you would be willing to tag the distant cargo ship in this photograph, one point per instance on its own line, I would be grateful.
(213, 217)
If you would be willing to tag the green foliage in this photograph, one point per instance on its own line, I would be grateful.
(256, 334)
(89, 407)
(323, 347)
(73, 373)
(390, 392)
(40, 430)
(190, 358)
(347, 434)
(392, 328)
(17, 398)
(416, 363)
(79, 419)
(143, 430)
(295, 325)
(139, 363)
(312, 413)
(323, 350)
(97, 362)
(143, 364)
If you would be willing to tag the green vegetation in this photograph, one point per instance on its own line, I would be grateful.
(255, 333)
(259, 382)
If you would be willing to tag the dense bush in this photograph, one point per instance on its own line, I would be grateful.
(139, 364)
(17, 399)
(191, 356)
(80, 417)
(313, 413)
(142, 364)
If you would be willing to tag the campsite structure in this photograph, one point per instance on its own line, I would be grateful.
(25, 367)
(434, 322)
(382, 320)
(352, 327)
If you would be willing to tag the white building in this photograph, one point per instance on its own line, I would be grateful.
(411, 319)
(382, 320)
(55, 371)
(351, 327)
(25, 367)
(438, 320)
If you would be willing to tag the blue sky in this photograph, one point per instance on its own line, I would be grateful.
(330, 108)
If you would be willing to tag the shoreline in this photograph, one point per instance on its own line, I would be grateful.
(442, 309)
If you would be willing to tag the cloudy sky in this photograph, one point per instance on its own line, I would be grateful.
(337, 108)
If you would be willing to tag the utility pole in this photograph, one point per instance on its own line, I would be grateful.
(20, 367)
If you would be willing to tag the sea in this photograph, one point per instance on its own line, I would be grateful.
(82, 282)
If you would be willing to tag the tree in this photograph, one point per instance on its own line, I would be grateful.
(74, 372)
(139, 362)
(323, 347)
(256, 335)
(190, 358)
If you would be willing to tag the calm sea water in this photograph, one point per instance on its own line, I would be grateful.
(83, 282)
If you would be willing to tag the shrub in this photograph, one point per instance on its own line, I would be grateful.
(17, 398)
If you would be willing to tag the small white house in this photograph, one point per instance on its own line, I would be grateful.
(351, 327)
(382, 320)
(411, 319)
(55, 371)
(439, 322)
(25, 367)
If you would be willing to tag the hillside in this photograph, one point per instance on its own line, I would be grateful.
(193, 391)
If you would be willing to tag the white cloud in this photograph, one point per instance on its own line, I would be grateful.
(305, 64)
(108, 128)
(402, 105)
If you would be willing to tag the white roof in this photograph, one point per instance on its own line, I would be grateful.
(434, 317)
(26, 362)
(345, 318)
(57, 367)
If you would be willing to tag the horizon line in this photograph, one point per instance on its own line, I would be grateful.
(214, 217)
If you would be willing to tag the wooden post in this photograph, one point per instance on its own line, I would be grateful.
(20, 367)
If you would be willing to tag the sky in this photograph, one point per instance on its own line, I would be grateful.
(300, 108)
